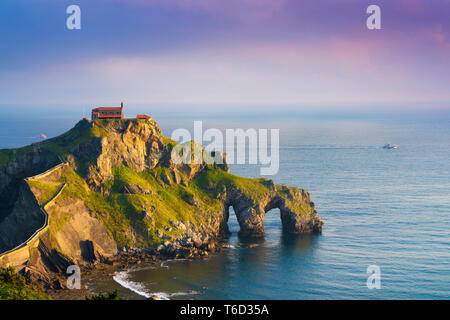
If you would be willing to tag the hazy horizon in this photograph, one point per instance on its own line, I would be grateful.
(20, 125)
(232, 111)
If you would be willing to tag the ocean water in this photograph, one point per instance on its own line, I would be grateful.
(389, 208)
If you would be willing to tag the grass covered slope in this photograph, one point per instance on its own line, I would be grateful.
(150, 216)
(14, 287)
(138, 219)
(122, 189)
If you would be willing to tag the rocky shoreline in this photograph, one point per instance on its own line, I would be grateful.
(129, 258)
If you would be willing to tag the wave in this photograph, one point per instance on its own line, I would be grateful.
(228, 245)
(165, 262)
(167, 296)
(122, 278)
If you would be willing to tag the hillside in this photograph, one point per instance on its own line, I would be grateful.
(118, 188)
(14, 287)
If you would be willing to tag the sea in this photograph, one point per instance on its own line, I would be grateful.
(386, 210)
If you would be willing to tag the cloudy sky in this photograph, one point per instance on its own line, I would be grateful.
(256, 52)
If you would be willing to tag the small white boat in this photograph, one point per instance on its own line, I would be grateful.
(389, 146)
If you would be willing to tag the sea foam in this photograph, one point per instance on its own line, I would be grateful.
(122, 278)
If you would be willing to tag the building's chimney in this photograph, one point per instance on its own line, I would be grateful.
(121, 104)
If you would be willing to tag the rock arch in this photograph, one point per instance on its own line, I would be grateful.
(297, 211)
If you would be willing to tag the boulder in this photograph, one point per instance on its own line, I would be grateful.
(178, 225)
(134, 189)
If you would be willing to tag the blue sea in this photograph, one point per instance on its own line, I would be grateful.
(389, 208)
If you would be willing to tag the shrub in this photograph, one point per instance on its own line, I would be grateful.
(113, 295)
(14, 287)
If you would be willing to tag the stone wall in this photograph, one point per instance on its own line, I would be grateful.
(19, 255)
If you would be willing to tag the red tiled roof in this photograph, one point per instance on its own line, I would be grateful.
(108, 109)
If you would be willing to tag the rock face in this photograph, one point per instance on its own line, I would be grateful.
(297, 211)
(73, 235)
(83, 237)
(23, 163)
(135, 144)
(22, 222)
(123, 190)
(135, 189)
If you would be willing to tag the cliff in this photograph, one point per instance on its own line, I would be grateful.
(121, 190)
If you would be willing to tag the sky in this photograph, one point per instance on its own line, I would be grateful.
(257, 53)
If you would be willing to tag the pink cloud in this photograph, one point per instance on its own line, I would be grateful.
(435, 33)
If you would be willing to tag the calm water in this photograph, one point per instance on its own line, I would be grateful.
(390, 208)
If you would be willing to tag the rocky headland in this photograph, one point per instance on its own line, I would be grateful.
(107, 193)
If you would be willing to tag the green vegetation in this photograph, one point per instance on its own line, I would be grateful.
(215, 180)
(14, 287)
(169, 143)
(47, 189)
(125, 176)
(138, 208)
(113, 295)
(61, 144)
(7, 155)
(82, 132)
(152, 213)
(138, 219)
(300, 207)
(135, 219)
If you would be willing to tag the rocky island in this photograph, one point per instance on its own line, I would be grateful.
(108, 189)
